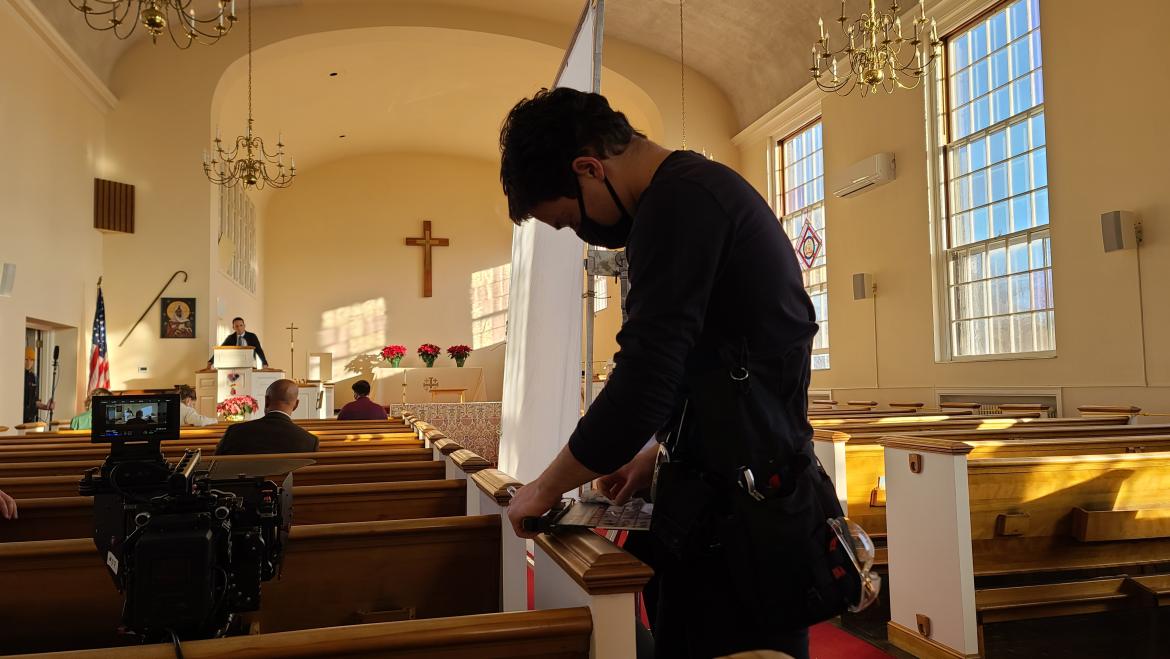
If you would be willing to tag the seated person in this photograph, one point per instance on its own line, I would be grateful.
(137, 420)
(188, 415)
(362, 408)
(275, 432)
(84, 421)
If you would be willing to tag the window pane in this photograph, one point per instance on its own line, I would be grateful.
(1040, 206)
(1039, 168)
(1022, 339)
(999, 182)
(980, 229)
(1000, 219)
(1021, 213)
(997, 144)
(997, 260)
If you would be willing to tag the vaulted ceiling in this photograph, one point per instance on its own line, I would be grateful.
(756, 51)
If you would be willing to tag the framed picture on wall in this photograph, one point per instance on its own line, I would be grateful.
(178, 318)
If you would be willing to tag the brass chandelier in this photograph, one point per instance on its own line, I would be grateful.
(878, 55)
(249, 162)
(175, 17)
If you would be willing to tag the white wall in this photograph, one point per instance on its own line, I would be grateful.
(335, 246)
(52, 136)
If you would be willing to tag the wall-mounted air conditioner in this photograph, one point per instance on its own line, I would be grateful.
(875, 170)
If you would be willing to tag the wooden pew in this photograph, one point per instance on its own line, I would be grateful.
(20, 452)
(957, 522)
(550, 634)
(207, 433)
(60, 518)
(370, 468)
(595, 574)
(857, 462)
(915, 424)
(333, 574)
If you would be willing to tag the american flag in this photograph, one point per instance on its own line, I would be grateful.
(99, 365)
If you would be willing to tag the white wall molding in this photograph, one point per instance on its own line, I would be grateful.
(792, 113)
(75, 67)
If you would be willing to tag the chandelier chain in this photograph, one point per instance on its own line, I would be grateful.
(248, 163)
(682, 73)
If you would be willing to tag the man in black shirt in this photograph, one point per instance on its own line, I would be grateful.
(32, 402)
(710, 266)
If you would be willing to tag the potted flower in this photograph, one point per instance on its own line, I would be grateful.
(429, 352)
(459, 354)
(394, 355)
(237, 408)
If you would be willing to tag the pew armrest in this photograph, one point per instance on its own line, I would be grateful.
(495, 483)
(597, 565)
(446, 446)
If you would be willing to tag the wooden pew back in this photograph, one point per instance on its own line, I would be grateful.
(371, 469)
(333, 574)
(551, 634)
(61, 518)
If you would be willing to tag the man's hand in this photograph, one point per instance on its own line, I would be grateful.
(532, 500)
(632, 478)
(7, 506)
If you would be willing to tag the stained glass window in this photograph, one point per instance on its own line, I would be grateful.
(800, 203)
(998, 248)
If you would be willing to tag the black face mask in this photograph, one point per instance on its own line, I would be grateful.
(601, 235)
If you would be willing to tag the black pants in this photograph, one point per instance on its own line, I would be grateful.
(696, 613)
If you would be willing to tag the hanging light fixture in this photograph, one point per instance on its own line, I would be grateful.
(175, 17)
(877, 54)
(249, 163)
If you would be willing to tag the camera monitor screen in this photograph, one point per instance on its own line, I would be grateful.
(152, 417)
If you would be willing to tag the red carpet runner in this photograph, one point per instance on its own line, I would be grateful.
(826, 640)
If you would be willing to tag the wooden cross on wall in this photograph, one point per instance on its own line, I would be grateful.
(427, 241)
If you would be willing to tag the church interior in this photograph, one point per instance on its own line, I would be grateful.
(989, 392)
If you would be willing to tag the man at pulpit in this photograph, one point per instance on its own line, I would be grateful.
(241, 337)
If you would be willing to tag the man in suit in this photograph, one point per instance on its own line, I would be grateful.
(241, 337)
(275, 432)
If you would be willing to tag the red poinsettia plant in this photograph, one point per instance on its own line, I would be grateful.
(237, 406)
(392, 352)
(429, 350)
(458, 352)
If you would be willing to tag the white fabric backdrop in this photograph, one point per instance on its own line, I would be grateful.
(542, 368)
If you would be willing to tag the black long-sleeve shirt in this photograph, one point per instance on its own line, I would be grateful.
(709, 263)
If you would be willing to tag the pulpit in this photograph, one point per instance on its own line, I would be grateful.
(233, 373)
(316, 400)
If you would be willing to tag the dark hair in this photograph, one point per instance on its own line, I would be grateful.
(361, 388)
(237, 318)
(542, 136)
(186, 393)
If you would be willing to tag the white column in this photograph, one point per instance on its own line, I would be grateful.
(928, 520)
(831, 452)
(613, 614)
